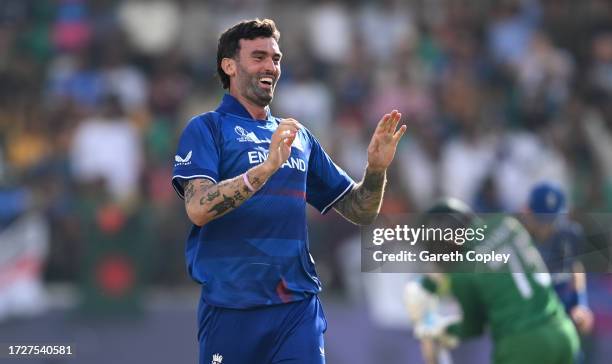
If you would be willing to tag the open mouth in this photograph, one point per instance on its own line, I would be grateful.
(266, 82)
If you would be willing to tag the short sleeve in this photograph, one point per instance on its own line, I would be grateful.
(197, 155)
(326, 182)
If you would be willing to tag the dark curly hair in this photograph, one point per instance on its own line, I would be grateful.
(229, 41)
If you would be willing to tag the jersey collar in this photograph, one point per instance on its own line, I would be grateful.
(231, 105)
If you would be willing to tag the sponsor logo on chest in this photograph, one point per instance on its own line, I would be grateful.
(260, 154)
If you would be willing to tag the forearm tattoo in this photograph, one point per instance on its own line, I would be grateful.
(231, 192)
(218, 199)
(189, 191)
(209, 196)
(362, 204)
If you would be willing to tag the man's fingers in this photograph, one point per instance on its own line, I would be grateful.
(289, 127)
(286, 136)
(383, 123)
(388, 122)
(289, 137)
(287, 133)
(395, 118)
(283, 132)
(399, 133)
(279, 136)
(290, 121)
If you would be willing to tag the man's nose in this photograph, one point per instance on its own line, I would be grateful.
(269, 66)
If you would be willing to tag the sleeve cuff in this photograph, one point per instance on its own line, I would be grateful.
(179, 188)
(342, 194)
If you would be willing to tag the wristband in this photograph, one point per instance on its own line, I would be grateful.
(245, 178)
(582, 298)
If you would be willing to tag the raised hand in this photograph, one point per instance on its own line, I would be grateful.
(384, 142)
(280, 145)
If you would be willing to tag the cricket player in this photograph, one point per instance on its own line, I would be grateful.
(527, 321)
(246, 177)
(558, 240)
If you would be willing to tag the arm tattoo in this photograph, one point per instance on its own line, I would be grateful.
(205, 200)
(238, 196)
(210, 196)
(362, 204)
(230, 202)
(256, 182)
(189, 192)
(223, 206)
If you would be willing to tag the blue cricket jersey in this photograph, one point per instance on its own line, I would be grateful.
(560, 252)
(258, 253)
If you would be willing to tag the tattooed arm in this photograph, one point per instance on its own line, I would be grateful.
(205, 201)
(362, 205)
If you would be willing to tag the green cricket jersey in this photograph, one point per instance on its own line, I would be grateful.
(512, 297)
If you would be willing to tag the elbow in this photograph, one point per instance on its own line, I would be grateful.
(196, 217)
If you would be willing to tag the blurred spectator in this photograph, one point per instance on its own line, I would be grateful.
(169, 86)
(391, 18)
(28, 146)
(74, 78)
(395, 90)
(330, 31)
(306, 99)
(197, 34)
(598, 132)
(108, 146)
(601, 68)
(467, 158)
(512, 27)
(350, 145)
(544, 77)
(465, 163)
(72, 29)
(524, 160)
(24, 238)
(353, 83)
(419, 163)
(152, 26)
(121, 78)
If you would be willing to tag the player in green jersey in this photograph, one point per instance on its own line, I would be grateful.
(515, 300)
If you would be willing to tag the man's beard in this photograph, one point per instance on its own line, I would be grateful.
(252, 92)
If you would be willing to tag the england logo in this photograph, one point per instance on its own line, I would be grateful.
(244, 136)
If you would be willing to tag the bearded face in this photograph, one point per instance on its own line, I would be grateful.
(257, 87)
(257, 70)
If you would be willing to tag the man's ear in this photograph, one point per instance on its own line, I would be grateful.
(228, 65)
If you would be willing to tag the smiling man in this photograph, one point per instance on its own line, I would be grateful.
(246, 177)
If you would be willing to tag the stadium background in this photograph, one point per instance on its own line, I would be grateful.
(497, 95)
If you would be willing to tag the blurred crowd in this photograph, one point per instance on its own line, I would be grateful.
(497, 95)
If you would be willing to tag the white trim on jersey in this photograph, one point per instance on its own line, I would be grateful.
(182, 195)
(350, 187)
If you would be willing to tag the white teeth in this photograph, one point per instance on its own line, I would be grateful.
(268, 80)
